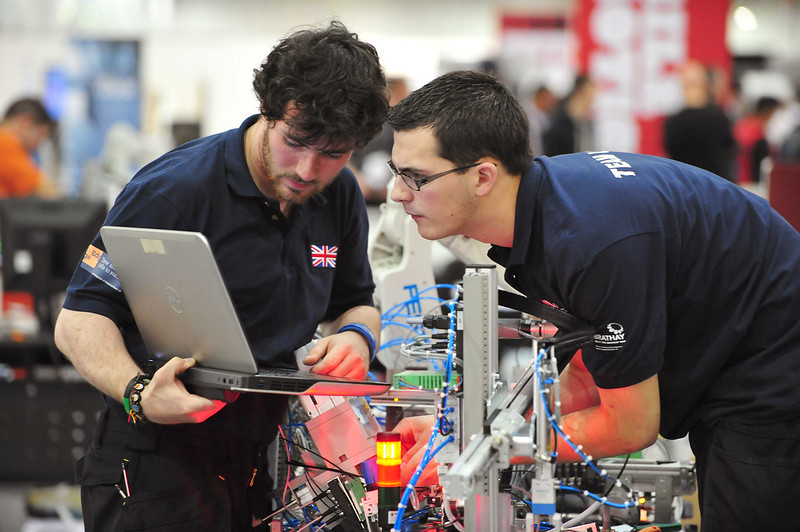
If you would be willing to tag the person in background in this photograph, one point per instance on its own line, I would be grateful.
(750, 134)
(789, 150)
(538, 107)
(700, 133)
(692, 284)
(783, 129)
(25, 125)
(268, 196)
(571, 126)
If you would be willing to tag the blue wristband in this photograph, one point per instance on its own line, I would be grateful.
(364, 331)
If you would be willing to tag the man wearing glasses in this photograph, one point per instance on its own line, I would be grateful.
(416, 181)
(692, 283)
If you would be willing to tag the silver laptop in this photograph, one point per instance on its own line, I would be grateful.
(182, 308)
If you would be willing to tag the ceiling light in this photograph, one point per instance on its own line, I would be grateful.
(745, 19)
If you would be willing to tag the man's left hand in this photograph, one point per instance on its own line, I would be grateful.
(344, 354)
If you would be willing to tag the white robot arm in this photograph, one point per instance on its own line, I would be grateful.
(404, 265)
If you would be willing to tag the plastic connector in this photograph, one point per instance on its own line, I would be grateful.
(433, 321)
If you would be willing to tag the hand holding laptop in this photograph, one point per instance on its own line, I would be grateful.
(166, 400)
(182, 309)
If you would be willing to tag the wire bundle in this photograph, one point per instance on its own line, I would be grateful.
(587, 459)
(422, 347)
(441, 425)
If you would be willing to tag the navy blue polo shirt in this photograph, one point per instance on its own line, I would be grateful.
(280, 290)
(683, 273)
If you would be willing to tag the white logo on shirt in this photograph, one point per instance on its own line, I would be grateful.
(615, 165)
(611, 339)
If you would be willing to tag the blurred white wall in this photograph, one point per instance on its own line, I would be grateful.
(197, 56)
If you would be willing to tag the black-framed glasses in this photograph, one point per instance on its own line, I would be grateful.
(416, 183)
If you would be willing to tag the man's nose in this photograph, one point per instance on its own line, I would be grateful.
(306, 165)
(400, 191)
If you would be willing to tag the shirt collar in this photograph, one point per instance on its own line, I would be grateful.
(237, 173)
(529, 186)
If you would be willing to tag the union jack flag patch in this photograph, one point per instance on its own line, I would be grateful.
(324, 256)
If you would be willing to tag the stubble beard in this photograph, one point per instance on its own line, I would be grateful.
(274, 186)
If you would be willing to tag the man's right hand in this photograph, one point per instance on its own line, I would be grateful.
(94, 345)
(165, 400)
(415, 432)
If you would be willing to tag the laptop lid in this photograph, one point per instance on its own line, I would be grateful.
(177, 296)
(182, 308)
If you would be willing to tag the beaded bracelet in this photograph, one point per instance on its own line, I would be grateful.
(364, 331)
(133, 396)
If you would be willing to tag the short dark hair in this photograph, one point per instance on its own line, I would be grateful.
(472, 115)
(335, 80)
(581, 82)
(32, 107)
(767, 104)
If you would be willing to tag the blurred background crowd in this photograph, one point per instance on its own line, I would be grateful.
(94, 89)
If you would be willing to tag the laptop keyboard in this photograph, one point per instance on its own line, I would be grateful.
(276, 372)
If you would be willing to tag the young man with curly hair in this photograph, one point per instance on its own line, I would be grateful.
(262, 194)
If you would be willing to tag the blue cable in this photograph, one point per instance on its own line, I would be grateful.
(406, 385)
(417, 298)
(566, 438)
(596, 497)
(391, 343)
(447, 440)
(388, 317)
(395, 311)
(410, 518)
(429, 452)
(305, 515)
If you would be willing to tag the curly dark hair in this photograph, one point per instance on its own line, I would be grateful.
(472, 115)
(333, 78)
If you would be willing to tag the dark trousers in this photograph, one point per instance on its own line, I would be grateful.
(208, 477)
(747, 475)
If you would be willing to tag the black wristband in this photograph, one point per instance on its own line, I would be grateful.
(133, 396)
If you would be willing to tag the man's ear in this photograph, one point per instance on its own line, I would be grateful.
(487, 178)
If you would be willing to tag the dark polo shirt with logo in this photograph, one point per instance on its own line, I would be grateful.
(683, 273)
(284, 276)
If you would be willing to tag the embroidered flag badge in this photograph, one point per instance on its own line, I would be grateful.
(324, 256)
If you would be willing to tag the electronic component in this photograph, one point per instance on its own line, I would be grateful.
(389, 486)
(424, 380)
(481, 424)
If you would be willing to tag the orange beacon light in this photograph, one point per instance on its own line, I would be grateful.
(390, 490)
(388, 459)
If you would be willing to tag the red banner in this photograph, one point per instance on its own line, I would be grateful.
(633, 50)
